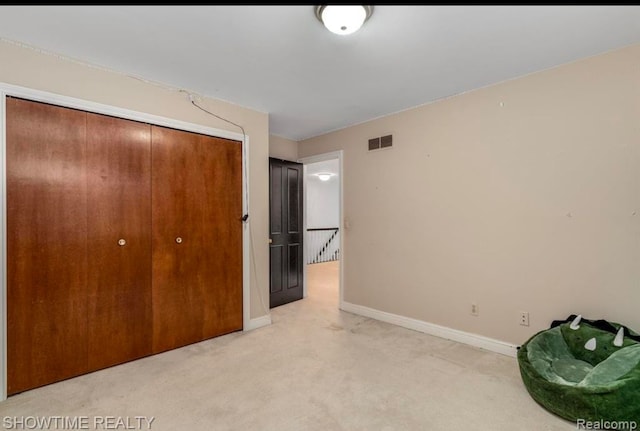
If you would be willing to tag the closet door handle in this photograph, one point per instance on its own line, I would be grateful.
(179, 240)
(122, 242)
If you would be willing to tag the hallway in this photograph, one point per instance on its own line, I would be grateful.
(323, 283)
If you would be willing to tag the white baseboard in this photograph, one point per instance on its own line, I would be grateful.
(258, 322)
(475, 340)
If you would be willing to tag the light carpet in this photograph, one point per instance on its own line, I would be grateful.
(314, 368)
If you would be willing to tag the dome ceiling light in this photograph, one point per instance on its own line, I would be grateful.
(341, 19)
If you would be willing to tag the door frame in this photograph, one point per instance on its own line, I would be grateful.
(85, 105)
(314, 159)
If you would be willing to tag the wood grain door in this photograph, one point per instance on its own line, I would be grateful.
(285, 221)
(119, 240)
(46, 244)
(197, 237)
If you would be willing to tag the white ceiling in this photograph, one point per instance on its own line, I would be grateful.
(281, 60)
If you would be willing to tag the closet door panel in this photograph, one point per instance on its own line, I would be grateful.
(222, 234)
(197, 196)
(119, 240)
(177, 215)
(46, 244)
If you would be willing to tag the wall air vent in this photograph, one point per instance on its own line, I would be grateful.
(374, 144)
(381, 142)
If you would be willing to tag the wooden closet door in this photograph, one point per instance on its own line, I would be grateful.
(222, 234)
(46, 244)
(197, 237)
(119, 240)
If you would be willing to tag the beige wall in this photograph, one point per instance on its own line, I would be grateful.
(29, 68)
(520, 196)
(282, 148)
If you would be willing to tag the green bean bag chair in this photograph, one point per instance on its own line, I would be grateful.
(585, 370)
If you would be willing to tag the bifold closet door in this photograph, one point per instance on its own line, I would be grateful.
(197, 237)
(119, 240)
(123, 240)
(46, 244)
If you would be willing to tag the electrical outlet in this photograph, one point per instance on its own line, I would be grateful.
(524, 318)
(474, 309)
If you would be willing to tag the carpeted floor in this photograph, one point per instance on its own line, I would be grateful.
(314, 368)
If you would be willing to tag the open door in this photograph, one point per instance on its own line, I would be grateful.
(286, 232)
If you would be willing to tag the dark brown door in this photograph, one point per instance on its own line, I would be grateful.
(197, 237)
(285, 221)
(119, 240)
(46, 244)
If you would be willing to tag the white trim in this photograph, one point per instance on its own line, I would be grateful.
(99, 108)
(246, 239)
(475, 340)
(85, 105)
(258, 322)
(305, 292)
(322, 158)
(343, 234)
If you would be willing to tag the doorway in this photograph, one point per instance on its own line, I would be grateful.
(323, 227)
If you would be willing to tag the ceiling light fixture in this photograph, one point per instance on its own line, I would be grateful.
(324, 176)
(341, 19)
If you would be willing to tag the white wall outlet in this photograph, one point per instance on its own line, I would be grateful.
(474, 309)
(524, 318)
